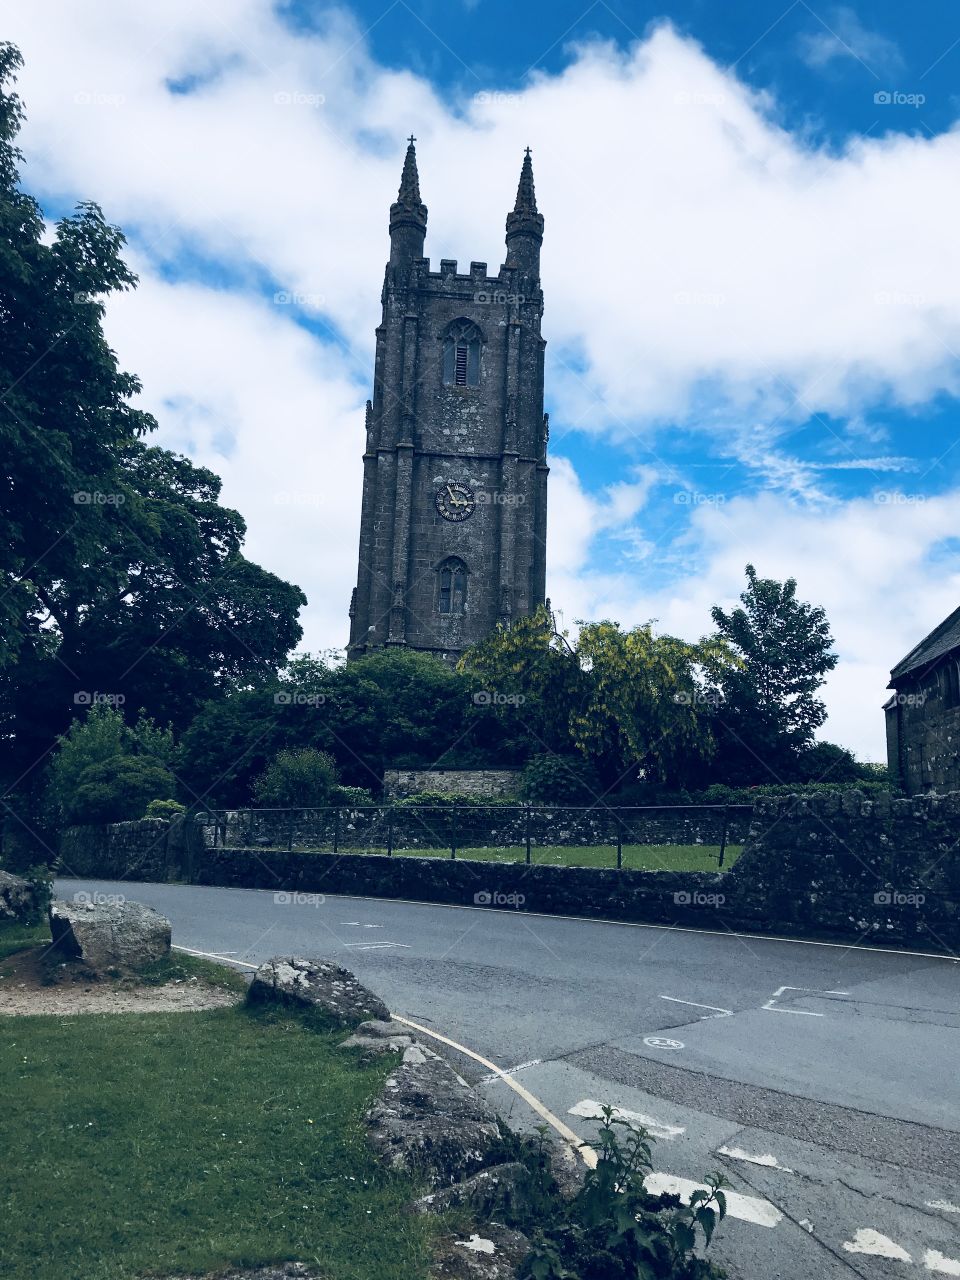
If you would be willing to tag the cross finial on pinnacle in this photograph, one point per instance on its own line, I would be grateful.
(528, 152)
(410, 181)
(411, 139)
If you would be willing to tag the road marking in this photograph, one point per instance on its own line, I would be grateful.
(872, 1242)
(717, 1012)
(548, 915)
(358, 924)
(376, 946)
(933, 1260)
(807, 1225)
(662, 1042)
(747, 1208)
(583, 1149)
(511, 1071)
(209, 955)
(772, 1007)
(945, 1205)
(590, 1110)
(768, 1162)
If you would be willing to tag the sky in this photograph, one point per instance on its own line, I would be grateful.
(751, 270)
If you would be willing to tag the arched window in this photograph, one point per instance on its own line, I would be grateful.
(461, 355)
(452, 586)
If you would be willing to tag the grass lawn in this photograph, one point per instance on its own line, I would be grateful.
(638, 857)
(141, 1144)
(15, 937)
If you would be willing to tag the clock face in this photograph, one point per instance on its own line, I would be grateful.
(455, 501)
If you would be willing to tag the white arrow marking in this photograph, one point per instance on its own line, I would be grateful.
(591, 1110)
(869, 1241)
(747, 1208)
(769, 1162)
(717, 1012)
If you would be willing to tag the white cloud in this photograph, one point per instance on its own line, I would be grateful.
(844, 36)
(702, 266)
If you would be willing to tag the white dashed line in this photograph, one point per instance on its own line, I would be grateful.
(772, 1007)
(376, 946)
(590, 1110)
(747, 1208)
(872, 1242)
(768, 1162)
(510, 1071)
(943, 1205)
(716, 1012)
(936, 1262)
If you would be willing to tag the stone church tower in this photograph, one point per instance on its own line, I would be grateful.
(454, 515)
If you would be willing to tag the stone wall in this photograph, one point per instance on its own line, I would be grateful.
(923, 733)
(834, 866)
(151, 849)
(476, 783)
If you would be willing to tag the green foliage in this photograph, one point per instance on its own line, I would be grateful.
(118, 790)
(554, 779)
(106, 772)
(297, 780)
(648, 709)
(769, 710)
(615, 1229)
(357, 797)
(165, 809)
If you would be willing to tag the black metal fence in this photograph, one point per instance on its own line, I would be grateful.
(600, 835)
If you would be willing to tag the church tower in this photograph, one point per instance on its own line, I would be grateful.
(454, 516)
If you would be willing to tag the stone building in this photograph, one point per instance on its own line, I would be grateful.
(923, 715)
(453, 520)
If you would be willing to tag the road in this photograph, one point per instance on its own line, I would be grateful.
(823, 1080)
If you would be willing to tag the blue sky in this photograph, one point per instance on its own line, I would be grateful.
(750, 267)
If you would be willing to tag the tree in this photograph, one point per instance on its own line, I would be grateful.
(106, 772)
(770, 711)
(649, 712)
(120, 572)
(297, 780)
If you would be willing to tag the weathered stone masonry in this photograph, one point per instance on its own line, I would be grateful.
(845, 867)
(480, 429)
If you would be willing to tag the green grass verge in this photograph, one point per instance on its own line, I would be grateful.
(17, 937)
(151, 1144)
(636, 857)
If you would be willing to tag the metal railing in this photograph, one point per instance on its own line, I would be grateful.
(478, 831)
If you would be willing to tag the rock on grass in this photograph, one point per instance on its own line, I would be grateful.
(319, 985)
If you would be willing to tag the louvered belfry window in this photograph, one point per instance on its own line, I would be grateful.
(461, 355)
(452, 596)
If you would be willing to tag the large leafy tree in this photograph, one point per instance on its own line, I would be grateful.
(770, 711)
(120, 572)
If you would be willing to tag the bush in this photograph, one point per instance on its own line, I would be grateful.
(556, 779)
(297, 780)
(356, 797)
(165, 809)
(117, 790)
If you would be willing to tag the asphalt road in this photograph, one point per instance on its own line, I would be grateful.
(823, 1080)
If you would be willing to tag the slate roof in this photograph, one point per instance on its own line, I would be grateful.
(939, 642)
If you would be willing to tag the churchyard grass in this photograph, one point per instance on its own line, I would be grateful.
(636, 857)
(15, 936)
(182, 1143)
